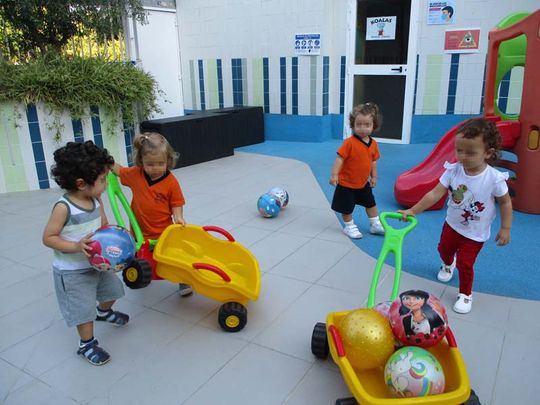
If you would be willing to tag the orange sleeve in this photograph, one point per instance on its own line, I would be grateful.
(176, 197)
(375, 155)
(344, 150)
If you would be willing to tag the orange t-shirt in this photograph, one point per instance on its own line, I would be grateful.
(358, 158)
(152, 201)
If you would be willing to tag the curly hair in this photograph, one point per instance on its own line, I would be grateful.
(370, 109)
(79, 161)
(475, 127)
(153, 142)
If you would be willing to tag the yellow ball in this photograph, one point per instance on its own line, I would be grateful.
(367, 338)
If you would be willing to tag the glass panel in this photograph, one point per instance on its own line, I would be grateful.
(385, 52)
(388, 93)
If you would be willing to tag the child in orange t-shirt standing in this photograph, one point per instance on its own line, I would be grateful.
(157, 197)
(354, 172)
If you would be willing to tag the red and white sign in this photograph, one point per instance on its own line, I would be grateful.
(463, 40)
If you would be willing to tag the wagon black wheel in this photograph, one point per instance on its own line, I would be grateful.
(138, 274)
(473, 399)
(346, 401)
(319, 341)
(232, 316)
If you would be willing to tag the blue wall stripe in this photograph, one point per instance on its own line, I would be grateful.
(266, 84)
(96, 126)
(452, 84)
(220, 83)
(342, 85)
(238, 96)
(283, 84)
(295, 85)
(326, 74)
(128, 140)
(415, 83)
(483, 88)
(37, 146)
(77, 130)
(201, 84)
(504, 88)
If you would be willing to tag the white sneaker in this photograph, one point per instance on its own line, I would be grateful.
(463, 304)
(352, 231)
(446, 272)
(376, 228)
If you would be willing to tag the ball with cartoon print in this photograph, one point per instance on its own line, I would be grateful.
(281, 195)
(413, 372)
(112, 248)
(418, 318)
(268, 206)
(367, 338)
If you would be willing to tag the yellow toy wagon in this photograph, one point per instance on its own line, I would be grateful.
(368, 385)
(218, 268)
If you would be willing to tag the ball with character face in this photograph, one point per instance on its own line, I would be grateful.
(112, 248)
(281, 195)
(418, 318)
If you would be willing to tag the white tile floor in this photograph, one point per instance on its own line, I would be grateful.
(173, 352)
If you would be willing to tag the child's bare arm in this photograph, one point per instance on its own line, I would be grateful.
(505, 203)
(373, 174)
(104, 220)
(427, 201)
(116, 168)
(51, 233)
(336, 168)
(178, 215)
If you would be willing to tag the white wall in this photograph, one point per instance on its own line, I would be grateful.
(219, 29)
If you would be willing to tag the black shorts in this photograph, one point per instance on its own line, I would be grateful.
(346, 198)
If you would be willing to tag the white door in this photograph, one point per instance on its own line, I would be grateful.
(381, 63)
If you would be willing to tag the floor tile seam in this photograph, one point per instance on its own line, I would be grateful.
(292, 356)
(203, 384)
(180, 318)
(298, 384)
(499, 359)
(28, 304)
(33, 380)
(290, 254)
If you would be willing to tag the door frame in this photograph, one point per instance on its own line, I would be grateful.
(409, 67)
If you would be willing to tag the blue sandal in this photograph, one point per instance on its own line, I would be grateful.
(93, 353)
(115, 317)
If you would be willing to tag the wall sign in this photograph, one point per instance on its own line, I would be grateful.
(441, 12)
(307, 44)
(463, 40)
(381, 28)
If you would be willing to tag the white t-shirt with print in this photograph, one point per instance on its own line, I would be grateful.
(471, 199)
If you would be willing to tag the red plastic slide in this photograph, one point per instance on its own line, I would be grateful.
(411, 186)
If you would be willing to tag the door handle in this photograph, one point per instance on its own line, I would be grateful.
(399, 69)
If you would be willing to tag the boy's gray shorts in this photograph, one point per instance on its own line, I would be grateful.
(78, 291)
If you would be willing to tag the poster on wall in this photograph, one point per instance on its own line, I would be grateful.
(463, 40)
(307, 44)
(441, 12)
(381, 28)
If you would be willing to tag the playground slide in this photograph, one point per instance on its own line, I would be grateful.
(414, 183)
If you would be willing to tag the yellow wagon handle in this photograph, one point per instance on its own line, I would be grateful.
(213, 269)
(209, 228)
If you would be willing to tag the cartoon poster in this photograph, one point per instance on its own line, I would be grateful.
(381, 28)
(463, 40)
(441, 12)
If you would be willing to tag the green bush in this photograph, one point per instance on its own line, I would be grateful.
(73, 84)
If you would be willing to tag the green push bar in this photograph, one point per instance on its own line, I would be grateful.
(393, 243)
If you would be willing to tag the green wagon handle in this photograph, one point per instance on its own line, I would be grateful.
(393, 242)
(114, 192)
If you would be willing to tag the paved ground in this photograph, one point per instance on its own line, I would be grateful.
(173, 351)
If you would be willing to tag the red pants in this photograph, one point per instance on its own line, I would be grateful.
(465, 250)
